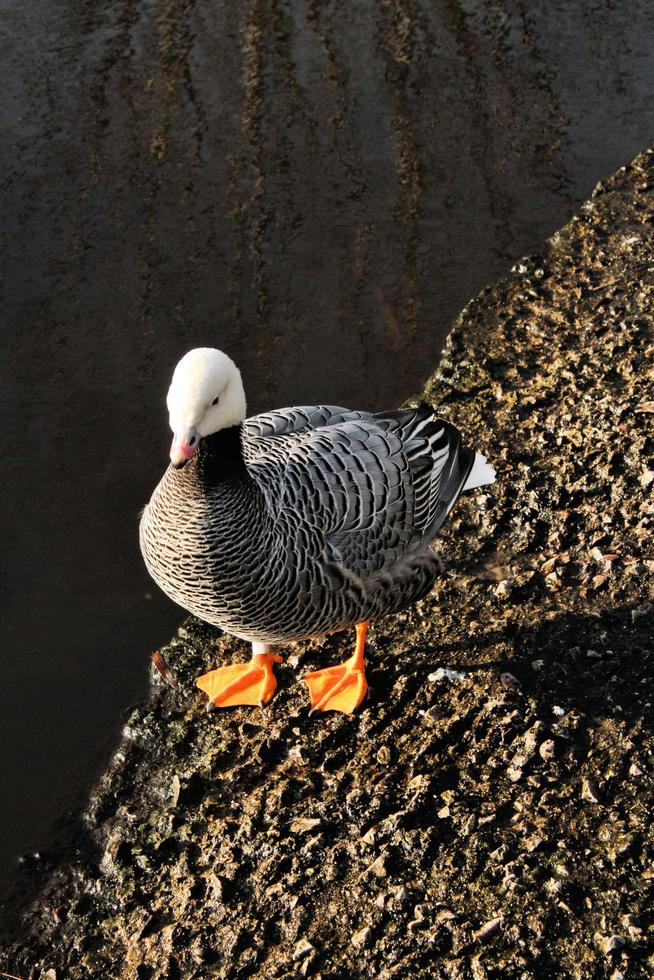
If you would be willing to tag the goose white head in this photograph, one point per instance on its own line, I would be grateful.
(205, 395)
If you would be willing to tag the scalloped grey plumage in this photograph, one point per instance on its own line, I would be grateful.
(305, 520)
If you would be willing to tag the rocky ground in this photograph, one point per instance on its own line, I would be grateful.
(487, 814)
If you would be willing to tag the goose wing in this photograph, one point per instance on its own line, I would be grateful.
(376, 486)
(286, 421)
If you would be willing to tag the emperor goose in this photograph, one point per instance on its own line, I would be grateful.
(296, 522)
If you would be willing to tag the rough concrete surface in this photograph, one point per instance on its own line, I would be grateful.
(487, 814)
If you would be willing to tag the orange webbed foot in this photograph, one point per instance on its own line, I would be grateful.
(340, 688)
(250, 683)
(343, 687)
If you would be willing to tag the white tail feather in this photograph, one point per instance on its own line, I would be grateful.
(481, 473)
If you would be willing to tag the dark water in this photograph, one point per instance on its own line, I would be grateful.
(317, 188)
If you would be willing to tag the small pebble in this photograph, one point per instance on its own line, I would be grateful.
(302, 824)
(589, 790)
(378, 867)
(469, 825)
(443, 674)
(302, 949)
(554, 887)
(510, 681)
(361, 937)
(633, 928)
(485, 932)
(215, 887)
(609, 944)
(547, 750)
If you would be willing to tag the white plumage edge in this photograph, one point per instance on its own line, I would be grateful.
(481, 474)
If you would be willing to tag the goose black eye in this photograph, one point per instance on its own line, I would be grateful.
(215, 401)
